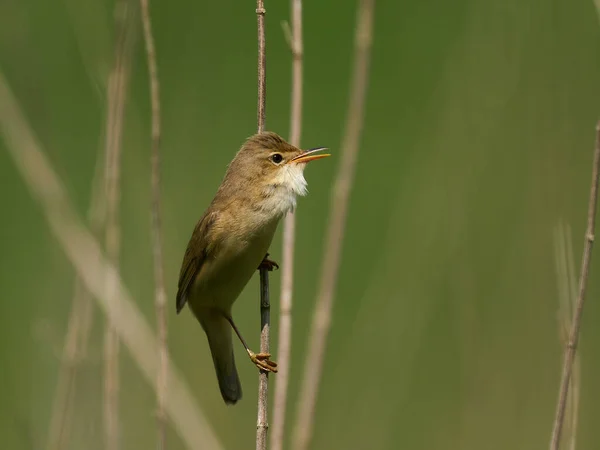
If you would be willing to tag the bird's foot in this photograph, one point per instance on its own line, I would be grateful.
(268, 264)
(262, 361)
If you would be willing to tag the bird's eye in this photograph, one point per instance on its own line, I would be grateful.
(276, 158)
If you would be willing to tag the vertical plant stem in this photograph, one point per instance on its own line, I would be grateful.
(289, 232)
(262, 66)
(85, 255)
(160, 299)
(78, 326)
(117, 87)
(567, 290)
(571, 347)
(262, 423)
(78, 329)
(576, 375)
(111, 389)
(313, 365)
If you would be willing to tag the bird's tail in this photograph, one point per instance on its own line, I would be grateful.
(218, 331)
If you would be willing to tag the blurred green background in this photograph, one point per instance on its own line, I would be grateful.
(478, 140)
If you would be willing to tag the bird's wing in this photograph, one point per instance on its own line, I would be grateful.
(195, 256)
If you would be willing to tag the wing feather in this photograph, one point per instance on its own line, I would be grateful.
(195, 256)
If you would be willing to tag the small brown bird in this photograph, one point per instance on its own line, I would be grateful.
(231, 240)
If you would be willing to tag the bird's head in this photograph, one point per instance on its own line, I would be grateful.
(271, 169)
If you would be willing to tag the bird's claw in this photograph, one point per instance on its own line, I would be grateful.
(268, 264)
(262, 361)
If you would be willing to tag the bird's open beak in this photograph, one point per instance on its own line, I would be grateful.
(309, 155)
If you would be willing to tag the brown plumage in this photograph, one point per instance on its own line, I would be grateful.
(232, 238)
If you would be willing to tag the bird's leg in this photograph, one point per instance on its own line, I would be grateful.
(268, 264)
(261, 360)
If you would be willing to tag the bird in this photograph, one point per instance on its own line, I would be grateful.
(231, 241)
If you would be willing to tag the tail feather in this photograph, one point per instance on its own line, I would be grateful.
(218, 331)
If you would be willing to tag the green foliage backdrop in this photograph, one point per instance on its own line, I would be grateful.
(478, 140)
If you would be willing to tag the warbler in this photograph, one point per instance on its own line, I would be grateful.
(231, 240)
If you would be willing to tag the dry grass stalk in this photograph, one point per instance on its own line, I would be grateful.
(567, 293)
(571, 347)
(262, 423)
(262, 66)
(569, 306)
(74, 347)
(160, 297)
(289, 232)
(116, 99)
(313, 365)
(94, 269)
(78, 329)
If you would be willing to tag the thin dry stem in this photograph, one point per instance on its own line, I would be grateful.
(160, 300)
(117, 87)
(289, 232)
(576, 375)
(94, 269)
(571, 347)
(262, 65)
(313, 365)
(78, 329)
(262, 423)
(111, 389)
(565, 268)
(74, 345)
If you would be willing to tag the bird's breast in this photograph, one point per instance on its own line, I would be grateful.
(279, 201)
(224, 276)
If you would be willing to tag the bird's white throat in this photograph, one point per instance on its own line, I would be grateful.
(292, 176)
(288, 183)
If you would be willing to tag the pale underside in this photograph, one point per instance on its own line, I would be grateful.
(223, 277)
